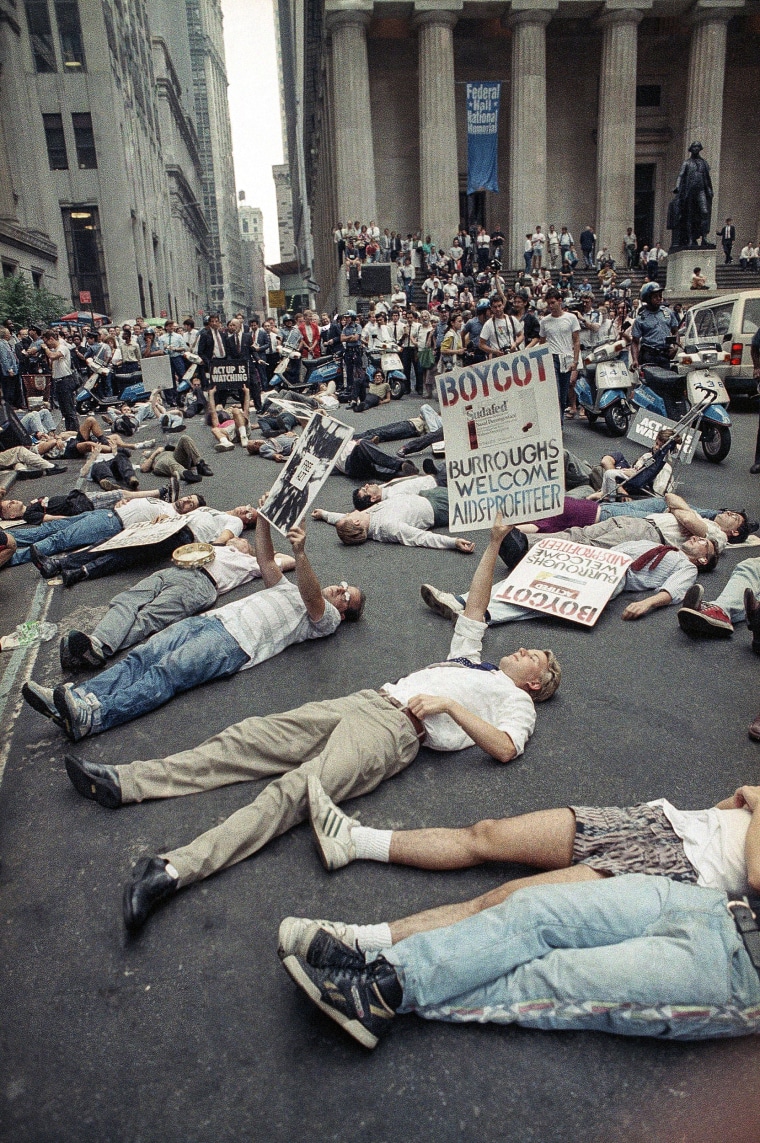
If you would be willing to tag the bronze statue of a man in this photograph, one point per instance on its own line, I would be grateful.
(692, 206)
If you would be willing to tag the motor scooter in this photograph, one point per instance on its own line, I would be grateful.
(604, 387)
(693, 389)
(389, 364)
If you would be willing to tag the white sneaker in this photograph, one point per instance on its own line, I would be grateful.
(441, 602)
(297, 933)
(224, 446)
(243, 437)
(331, 828)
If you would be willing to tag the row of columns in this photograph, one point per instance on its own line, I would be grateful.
(616, 134)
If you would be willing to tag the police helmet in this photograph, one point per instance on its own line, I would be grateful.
(482, 306)
(648, 289)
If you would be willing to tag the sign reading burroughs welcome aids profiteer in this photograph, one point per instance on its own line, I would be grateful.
(570, 581)
(503, 437)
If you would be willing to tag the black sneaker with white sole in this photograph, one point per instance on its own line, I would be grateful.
(363, 1000)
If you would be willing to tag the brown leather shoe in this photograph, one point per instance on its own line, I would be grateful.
(754, 729)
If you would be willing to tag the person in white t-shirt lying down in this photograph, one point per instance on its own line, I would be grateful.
(716, 848)
(201, 648)
(165, 597)
(400, 518)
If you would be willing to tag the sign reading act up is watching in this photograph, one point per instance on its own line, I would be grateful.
(503, 434)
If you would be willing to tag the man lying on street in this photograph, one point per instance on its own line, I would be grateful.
(166, 597)
(352, 744)
(202, 524)
(45, 508)
(201, 648)
(667, 571)
(400, 519)
(714, 848)
(633, 955)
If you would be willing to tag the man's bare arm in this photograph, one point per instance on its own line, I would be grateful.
(495, 742)
(480, 589)
(306, 580)
(264, 548)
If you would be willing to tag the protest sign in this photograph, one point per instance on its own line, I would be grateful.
(305, 471)
(564, 579)
(156, 372)
(229, 377)
(138, 535)
(503, 434)
(646, 425)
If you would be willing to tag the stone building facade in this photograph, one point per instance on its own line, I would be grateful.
(101, 173)
(599, 104)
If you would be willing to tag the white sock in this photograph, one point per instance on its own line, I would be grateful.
(371, 844)
(372, 937)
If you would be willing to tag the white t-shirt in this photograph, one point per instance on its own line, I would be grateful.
(61, 367)
(491, 695)
(143, 511)
(207, 524)
(672, 534)
(499, 333)
(713, 840)
(409, 487)
(265, 623)
(558, 332)
(230, 569)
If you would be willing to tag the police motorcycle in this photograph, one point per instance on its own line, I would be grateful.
(605, 386)
(693, 395)
(91, 397)
(295, 374)
(388, 363)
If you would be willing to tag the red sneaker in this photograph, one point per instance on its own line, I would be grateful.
(707, 619)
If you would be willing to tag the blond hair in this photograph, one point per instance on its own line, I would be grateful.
(550, 679)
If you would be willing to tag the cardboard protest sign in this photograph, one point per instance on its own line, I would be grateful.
(305, 471)
(231, 376)
(138, 535)
(564, 579)
(503, 434)
(646, 425)
(156, 372)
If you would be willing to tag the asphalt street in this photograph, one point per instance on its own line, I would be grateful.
(192, 1031)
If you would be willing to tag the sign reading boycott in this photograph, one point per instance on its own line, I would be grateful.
(645, 427)
(503, 436)
(567, 580)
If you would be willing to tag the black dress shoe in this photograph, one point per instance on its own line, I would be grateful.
(47, 566)
(755, 469)
(752, 611)
(191, 477)
(203, 468)
(513, 547)
(150, 885)
(98, 783)
(70, 576)
(56, 470)
(82, 652)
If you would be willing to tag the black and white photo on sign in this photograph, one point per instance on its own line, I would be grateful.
(305, 471)
(503, 437)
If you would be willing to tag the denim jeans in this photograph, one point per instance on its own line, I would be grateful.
(63, 535)
(188, 653)
(633, 955)
(563, 384)
(38, 422)
(731, 599)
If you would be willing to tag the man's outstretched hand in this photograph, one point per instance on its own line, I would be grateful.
(297, 540)
(465, 546)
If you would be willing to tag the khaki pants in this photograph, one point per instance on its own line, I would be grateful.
(18, 455)
(351, 743)
(608, 533)
(186, 455)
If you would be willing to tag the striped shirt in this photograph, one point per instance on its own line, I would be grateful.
(675, 573)
(266, 623)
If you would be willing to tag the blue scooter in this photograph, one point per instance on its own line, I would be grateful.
(694, 393)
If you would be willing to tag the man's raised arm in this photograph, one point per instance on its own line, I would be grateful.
(306, 580)
(270, 572)
(482, 582)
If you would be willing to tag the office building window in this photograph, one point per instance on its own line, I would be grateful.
(40, 35)
(8, 269)
(84, 247)
(37, 279)
(87, 160)
(70, 34)
(56, 142)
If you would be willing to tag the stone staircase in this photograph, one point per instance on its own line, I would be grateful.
(729, 278)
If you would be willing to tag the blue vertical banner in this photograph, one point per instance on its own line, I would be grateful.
(482, 136)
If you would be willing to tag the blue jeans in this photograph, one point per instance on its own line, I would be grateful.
(64, 535)
(731, 599)
(184, 656)
(634, 955)
(563, 384)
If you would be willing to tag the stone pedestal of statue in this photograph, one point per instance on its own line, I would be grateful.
(680, 267)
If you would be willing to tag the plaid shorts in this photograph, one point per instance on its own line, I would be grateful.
(630, 839)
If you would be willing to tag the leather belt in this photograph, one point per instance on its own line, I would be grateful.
(748, 929)
(417, 724)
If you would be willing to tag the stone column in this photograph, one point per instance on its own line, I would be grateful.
(616, 129)
(704, 95)
(527, 125)
(354, 150)
(439, 167)
(8, 40)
